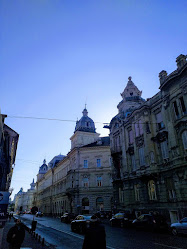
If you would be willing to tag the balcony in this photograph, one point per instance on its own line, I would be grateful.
(70, 191)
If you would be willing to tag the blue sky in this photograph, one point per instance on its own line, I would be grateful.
(58, 54)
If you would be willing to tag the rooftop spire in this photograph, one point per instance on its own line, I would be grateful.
(85, 112)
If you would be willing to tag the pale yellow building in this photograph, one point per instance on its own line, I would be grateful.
(81, 182)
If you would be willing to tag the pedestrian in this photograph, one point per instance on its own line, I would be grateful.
(95, 237)
(34, 222)
(9, 217)
(16, 235)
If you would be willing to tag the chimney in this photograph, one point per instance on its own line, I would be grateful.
(162, 76)
(181, 61)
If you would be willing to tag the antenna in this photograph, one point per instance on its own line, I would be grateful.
(85, 103)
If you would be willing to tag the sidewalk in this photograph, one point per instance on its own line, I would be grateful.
(29, 242)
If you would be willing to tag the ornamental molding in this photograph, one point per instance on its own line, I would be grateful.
(139, 141)
(180, 126)
(160, 137)
(185, 89)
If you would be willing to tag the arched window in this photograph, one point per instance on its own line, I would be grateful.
(85, 201)
(99, 203)
(85, 206)
(152, 190)
(184, 139)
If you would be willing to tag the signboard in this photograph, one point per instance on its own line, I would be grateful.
(4, 197)
(4, 200)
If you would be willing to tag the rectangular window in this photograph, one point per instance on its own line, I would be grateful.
(98, 162)
(85, 163)
(160, 123)
(171, 188)
(176, 109)
(85, 182)
(184, 139)
(133, 162)
(152, 190)
(131, 137)
(164, 149)
(137, 132)
(183, 107)
(121, 195)
(137, 192)
(141, 156)
(152, 157)
(99, 181)
(171, 193)
(110, 161)
(138, 128)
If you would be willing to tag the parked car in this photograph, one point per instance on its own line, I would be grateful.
(67, 217)
(104, 214)
(117, 220)
(179, 227)
(39, 214)
(152, 222)
(82, 222)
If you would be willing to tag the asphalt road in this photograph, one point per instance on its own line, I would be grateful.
(59, 234)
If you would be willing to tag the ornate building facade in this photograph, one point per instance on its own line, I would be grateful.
(149, 147)
(81, 182)
(24, 200)
(8, 148)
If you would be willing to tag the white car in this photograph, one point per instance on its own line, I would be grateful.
(180, 227)
(39, 214)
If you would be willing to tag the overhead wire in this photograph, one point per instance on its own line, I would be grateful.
(66, 120)
(49, 119)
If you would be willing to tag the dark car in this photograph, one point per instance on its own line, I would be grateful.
(67, 217)
(179, 227)
(104, 214)
(117, 220)
(151, 222)
(82, 222)
(122, 219)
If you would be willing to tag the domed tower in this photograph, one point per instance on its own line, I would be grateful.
(42, 170)
(85, 124)
(33, 184)
(131, 99)
(85, 132)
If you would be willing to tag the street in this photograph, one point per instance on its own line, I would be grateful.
(59, 234)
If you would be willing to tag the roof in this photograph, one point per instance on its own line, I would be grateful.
(85, 124)
(102, 141)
